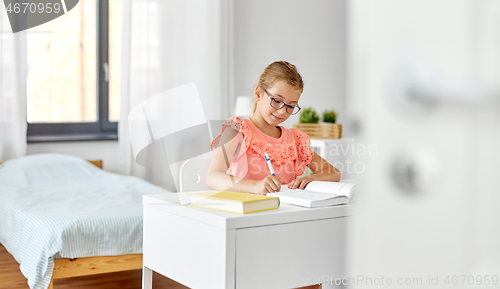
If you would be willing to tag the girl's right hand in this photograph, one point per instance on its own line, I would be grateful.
(270, 184)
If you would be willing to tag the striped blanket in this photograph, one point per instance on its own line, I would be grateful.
(57, 206)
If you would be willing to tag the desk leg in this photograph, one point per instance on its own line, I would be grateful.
(147, 278)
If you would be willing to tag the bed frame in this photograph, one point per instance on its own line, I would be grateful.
(67, 268)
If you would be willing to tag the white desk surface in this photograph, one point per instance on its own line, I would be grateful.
(178, 204)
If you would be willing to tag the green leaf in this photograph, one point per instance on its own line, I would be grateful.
(308, 115)
(329, 116)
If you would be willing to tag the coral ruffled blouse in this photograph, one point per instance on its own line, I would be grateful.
(289, 154)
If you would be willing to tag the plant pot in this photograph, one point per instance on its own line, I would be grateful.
(320, 130)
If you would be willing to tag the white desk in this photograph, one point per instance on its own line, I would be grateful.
(201, 248)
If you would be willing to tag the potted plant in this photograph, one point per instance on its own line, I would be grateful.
(308, 123)
(333, 129)
(329, 116)
(308, 115)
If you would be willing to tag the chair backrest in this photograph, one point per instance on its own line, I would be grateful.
(193, 175)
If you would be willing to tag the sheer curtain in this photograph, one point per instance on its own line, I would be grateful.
(13, 73)
(166, 44)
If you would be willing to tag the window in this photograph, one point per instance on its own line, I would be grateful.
(73, 74)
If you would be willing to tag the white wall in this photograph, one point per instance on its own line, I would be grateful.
(310, 34)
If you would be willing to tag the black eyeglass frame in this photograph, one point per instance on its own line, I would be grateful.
(283, 103)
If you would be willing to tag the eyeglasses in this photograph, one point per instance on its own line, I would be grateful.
(278, 104)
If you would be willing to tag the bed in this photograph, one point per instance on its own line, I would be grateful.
(61, 216)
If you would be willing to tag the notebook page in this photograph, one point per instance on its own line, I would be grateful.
(304, 194)
(336, 188)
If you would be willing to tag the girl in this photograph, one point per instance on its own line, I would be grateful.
(239, 164)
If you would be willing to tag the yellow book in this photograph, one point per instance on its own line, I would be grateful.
(235, 202)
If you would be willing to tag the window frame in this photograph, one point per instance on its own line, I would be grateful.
(102, 129)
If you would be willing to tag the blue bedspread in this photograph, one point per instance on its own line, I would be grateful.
(61, 206)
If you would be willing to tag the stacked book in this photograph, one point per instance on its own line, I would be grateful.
(235, 202)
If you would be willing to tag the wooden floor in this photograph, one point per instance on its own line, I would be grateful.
(11, 278)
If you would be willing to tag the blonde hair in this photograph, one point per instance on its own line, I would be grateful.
(277, 71)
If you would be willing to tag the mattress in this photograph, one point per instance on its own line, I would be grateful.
(58, 206)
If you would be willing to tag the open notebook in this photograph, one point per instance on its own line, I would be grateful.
(318, 194)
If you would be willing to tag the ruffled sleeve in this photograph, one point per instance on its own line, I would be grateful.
(304, 150)
(239, 125)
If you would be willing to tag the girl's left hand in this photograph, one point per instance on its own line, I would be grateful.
(300, 183)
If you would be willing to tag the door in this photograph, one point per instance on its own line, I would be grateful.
(424, 90)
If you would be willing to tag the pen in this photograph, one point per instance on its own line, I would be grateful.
(266, 156)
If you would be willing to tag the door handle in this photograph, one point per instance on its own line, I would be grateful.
(419, 87)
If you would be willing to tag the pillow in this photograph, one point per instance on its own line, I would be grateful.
(45, 168)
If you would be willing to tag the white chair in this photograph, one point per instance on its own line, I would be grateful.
(193, 175)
